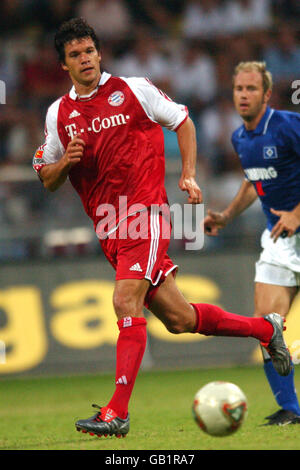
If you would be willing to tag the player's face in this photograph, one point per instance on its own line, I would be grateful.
(248, 95)
(82, 61)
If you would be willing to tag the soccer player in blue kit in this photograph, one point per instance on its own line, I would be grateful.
(268, 146)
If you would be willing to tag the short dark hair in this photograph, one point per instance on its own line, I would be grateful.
(76, 28)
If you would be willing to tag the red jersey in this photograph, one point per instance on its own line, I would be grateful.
(120, 123)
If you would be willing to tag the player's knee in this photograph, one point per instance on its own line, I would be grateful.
(121, 303)
(126, 305)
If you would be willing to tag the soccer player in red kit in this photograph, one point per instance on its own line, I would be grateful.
(105, 135)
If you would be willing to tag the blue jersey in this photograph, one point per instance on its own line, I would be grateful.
(270, 157)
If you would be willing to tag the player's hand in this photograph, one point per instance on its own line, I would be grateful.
(213, 222)
(189, 184)
(74, 151)
(286, 225)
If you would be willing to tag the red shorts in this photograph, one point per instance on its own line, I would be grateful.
(138, 249)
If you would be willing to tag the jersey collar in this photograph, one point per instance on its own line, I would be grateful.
(263, 124)
(73, 95)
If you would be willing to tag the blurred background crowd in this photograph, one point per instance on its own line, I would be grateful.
(188, 48)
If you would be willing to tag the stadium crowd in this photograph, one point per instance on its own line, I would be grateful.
(187, 48)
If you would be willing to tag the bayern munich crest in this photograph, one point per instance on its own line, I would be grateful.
(116, 98)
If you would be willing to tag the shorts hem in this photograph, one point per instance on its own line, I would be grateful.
(274, 274)
(274, 283)
(140, 276)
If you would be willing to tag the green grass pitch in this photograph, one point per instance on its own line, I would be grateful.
(39, 413)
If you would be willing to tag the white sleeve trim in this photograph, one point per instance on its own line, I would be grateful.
(53, 149)
(156, 104)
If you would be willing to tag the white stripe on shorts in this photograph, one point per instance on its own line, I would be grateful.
(155, 232)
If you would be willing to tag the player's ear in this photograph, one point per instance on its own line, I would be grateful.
(64, 67)
(267, 95)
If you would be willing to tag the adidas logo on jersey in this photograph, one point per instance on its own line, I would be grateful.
(122, 380)
(74, 114)
(136, 267)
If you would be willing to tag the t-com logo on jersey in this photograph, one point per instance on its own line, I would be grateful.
(98, 124)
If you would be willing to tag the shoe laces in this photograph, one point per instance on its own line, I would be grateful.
(98, 415)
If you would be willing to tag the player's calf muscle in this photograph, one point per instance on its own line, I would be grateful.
(177, 319)
(177, 325)
(170, 306)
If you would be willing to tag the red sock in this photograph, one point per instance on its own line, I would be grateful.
(131, 346)
(212, 320)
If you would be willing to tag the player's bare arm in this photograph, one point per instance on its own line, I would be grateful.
(186, 136)
(289, 222)
(214, 221)
(55, 174)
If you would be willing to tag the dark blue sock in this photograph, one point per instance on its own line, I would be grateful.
(283, 388)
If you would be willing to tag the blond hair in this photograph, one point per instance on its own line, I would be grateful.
(258, 67)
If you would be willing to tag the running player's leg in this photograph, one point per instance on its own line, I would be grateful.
(137, 259)
(276, 298)
(179, 316)
(128, 301)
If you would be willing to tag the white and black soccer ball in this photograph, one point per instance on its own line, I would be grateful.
(220, 408)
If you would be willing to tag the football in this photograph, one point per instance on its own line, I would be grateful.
(220, 408)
